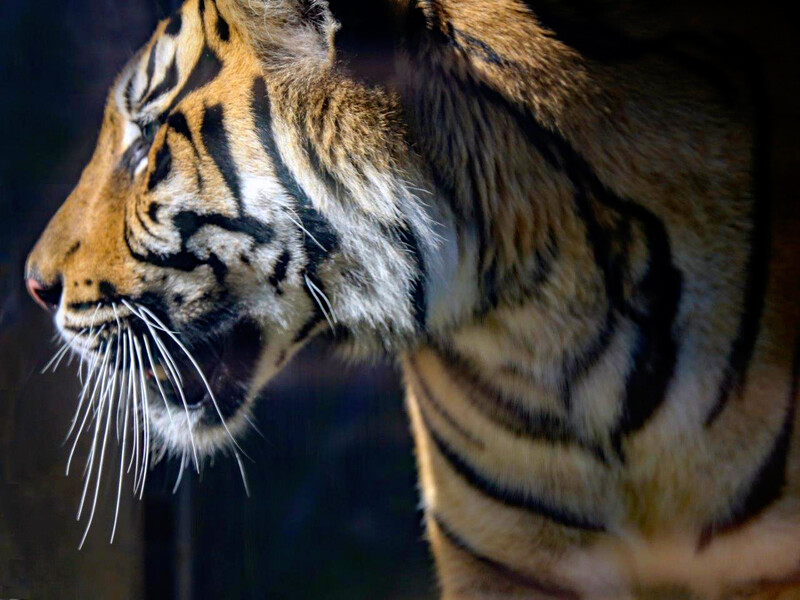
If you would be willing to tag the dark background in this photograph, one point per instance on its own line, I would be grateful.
(333, 506)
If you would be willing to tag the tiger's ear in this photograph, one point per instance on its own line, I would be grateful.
(285, 34)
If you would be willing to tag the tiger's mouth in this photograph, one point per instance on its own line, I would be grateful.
(212, 373)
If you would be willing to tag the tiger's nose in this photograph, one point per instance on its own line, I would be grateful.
(46, 296)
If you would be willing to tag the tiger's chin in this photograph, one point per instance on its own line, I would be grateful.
(210, 407)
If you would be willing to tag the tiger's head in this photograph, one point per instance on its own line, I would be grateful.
(245, 195)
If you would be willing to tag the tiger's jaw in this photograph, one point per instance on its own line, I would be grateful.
(191, 389)
(214, 391)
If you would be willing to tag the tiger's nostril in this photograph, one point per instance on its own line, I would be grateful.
(48, 297)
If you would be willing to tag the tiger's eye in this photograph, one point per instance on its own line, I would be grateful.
(149, 131)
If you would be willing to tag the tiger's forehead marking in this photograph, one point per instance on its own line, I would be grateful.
(152, 79)
(180, 58)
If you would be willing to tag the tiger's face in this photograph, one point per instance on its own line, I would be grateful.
(241, 199)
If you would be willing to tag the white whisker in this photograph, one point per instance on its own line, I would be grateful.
(109, 411)
(173, 374)
(180, 473)
(179, 388)
(164, 353)
(121, 459)
(158, 381)
(122, 398)
(86, 386)
(145, 417)
(114, 384)
(90, 462)
(157, 339)
(95, 355)
(202, 377)
(65, 345)
(299, 224)
(120, 345)
(314, 291)
(68, 344)
(99, 378)
(132, 400)
(136, 312)
(241, 471)
(253, 425)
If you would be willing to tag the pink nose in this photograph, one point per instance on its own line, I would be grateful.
(48, 297)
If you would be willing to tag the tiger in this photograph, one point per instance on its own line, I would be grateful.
(567, 247)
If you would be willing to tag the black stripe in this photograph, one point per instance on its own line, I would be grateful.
(427, 397)
(324, 240)
(311, 219)
(577, 364)
(204, 72)
(484, 50)
(165, 85)
(509, 497)
(86, 305)
(219, 268)
(173, 28)
(653, 309)
(188, 222)
(78, 330)
(107, 289)
(321, 239)
(315, 319)
(144, 225)
(72, 250)
(769, 481)
(223, 30)
(152, 211)
(150, 70)
(331, 184)
(279, 271)
(215, 139)
(128, 93)
(162, 168)
(508, 413)
(177, 121)
(180, 261)
(655, 300)
(506, 573)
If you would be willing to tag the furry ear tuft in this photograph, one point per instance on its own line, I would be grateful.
(286, 34)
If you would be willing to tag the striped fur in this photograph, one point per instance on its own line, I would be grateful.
(564, 238)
